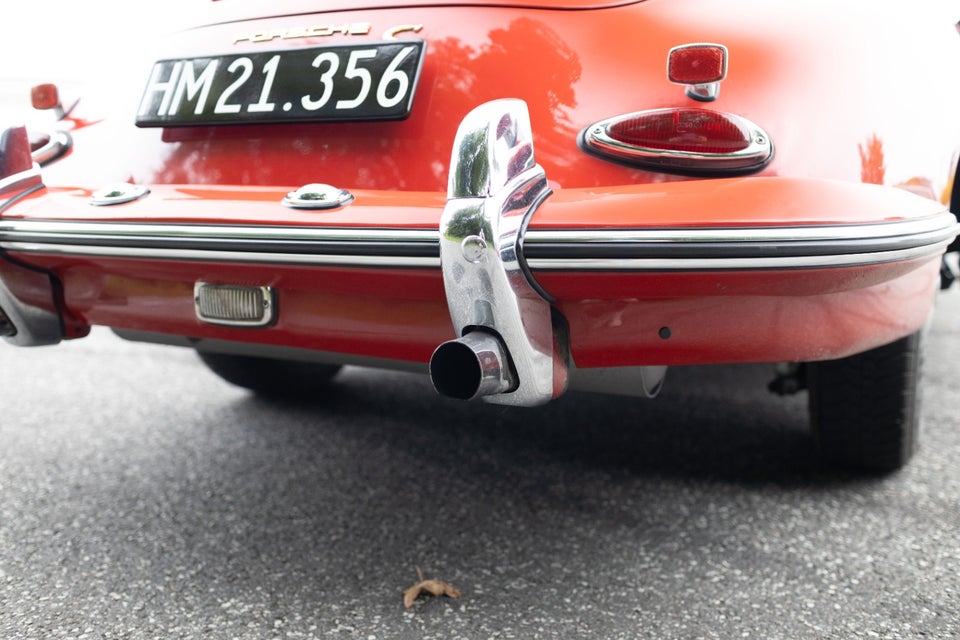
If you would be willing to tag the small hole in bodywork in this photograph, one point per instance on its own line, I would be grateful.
(665, 333)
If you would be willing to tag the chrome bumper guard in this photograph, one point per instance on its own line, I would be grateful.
(494, 188)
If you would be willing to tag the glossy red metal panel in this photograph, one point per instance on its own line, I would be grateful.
(741, 317)
(785, 74)
(236, 205)
(758, 316)
(758, 201)
(352, 311)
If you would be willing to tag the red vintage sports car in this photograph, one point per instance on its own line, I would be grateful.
(519, 196)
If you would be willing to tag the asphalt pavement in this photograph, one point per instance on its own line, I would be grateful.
(141, 497)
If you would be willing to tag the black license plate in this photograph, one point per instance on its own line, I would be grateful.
(351, 82)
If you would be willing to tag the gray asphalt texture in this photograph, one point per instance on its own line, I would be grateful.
(141, 497)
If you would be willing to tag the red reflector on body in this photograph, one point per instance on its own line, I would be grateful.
(45, 96)
(697, 64)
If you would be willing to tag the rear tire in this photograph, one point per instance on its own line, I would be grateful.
(865, 409)
(270, 376)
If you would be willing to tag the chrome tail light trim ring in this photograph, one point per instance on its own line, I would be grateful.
(596, 140)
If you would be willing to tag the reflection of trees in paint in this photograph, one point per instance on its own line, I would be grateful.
(872, 169)
(525, 60)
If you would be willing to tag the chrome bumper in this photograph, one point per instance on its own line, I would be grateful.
(623, 250)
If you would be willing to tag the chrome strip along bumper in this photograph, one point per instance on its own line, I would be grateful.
(647, 250)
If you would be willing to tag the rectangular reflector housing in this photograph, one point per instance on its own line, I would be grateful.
(234, 305)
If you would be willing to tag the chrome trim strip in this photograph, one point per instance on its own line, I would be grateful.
(190, 232)
(227, 256)
(243, 243)
(674, 249)
(944, 222)
(741, 248)
(733, 264)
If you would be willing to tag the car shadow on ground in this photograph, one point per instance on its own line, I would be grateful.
(718, 423)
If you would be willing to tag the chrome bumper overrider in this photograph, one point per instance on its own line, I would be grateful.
(494, 187)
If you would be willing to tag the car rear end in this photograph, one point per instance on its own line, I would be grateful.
(553, 188)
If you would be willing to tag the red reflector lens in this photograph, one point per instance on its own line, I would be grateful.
(44, 96)
(685, 130)
(697, 64)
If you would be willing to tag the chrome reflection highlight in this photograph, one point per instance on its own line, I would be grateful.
(494, 187)
(317, 196)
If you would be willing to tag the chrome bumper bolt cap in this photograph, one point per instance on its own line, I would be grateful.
(118, 194)
(317, 196)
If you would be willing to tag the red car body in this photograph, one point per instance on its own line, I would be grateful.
(498, 213)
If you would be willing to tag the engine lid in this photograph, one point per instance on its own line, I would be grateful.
(252, 9)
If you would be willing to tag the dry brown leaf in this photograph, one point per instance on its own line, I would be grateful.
(433, 587)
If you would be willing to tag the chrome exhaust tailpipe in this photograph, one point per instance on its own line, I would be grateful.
(476, 365)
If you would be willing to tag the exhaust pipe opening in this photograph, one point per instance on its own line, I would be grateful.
(476, 365)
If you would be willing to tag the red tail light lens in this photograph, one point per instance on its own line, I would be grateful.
(681, 139)
(688, 130)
